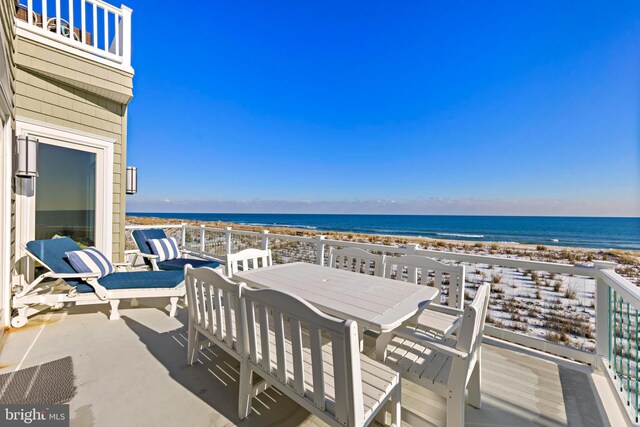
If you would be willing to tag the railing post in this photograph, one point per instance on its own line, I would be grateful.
(265, 240)
(602, 308)
(183, 236)
(320, 249)
(125, 40)
(227, 240)
(202, 239)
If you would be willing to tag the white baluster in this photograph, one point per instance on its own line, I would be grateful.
(106, 29)
(115, 47)
(71, 27)
(44, 14)
(95, 25)
(83, 12)
(58, 29)
(30, 11)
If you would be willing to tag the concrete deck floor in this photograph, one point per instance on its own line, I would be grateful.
(133, 372)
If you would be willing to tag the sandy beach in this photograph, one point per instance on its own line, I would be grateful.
(629, 261)
(552, 307)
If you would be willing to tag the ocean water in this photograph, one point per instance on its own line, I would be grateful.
(615, 233)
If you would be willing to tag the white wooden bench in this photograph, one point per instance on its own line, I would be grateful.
(214, 312)
(314, 359)
(442, 320)
(248, 259)
(447, 368)
(357, 260)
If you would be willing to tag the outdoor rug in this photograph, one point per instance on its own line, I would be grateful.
(50, 383)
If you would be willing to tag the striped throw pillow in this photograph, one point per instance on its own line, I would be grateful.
(90, 260)
(166, 249)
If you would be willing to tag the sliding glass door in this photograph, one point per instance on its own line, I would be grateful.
(65, 194)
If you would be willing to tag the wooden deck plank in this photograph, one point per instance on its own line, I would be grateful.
(518, 389)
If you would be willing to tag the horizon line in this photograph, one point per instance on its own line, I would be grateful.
(386, 214)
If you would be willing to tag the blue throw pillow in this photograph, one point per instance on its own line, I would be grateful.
(166, 249)
(90, 260)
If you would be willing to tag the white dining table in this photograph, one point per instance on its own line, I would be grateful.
(376, 303)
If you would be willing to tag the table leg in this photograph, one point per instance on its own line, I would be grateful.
(382, 342)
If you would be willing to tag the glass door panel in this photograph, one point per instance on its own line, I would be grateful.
(66, 194)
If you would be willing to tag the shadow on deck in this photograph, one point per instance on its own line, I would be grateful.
(134, 372)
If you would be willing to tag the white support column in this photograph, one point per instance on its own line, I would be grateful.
(265, 240)
(320, 249)
(227, 240)
(183, 235)
(602, 308)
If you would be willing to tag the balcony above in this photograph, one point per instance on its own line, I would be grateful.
(90, 29)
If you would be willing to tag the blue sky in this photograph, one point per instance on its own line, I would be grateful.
(394, 107)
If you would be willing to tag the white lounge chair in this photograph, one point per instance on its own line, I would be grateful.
(447, 368)
(86, 288)
(442, 320)
(314, 359)
(356, 259)
(142, 237)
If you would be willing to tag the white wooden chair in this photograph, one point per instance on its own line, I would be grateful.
(356, 259)
(314, 359)
(214, 313)
(441, 320)
(248, 259)
(447, 368)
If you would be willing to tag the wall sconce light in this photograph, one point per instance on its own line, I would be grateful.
(132, 180)
(26, 157)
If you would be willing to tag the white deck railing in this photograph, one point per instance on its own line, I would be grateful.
(618, 306)
(586, 313)
(92, 28)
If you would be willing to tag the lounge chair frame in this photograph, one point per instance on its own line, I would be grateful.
(40, 294)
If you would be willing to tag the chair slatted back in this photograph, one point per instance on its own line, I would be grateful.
(281, 349)
(417, 265)
(214, 306)
(356, 259)
(471, 330)
(248, 259)
(470, 334)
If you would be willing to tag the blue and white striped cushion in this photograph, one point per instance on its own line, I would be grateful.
(90, 260)
(166, 249)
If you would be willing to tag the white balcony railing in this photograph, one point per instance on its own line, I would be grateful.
(587, 313)
(91, 28)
